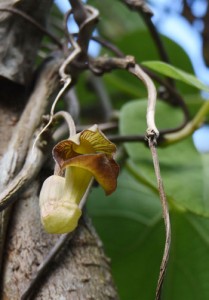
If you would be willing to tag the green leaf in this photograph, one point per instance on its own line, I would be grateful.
(131, 227)
(145, 49)
(188, 269)
(113, 24)
(194, 103)
(175, 73)
(182, 167)
(130, 88)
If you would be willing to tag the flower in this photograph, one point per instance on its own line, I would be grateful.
(86, 155)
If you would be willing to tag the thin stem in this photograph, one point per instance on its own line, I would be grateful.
(105, 44)
(85, 16)
(156, 37)
(33, 164)
(195, 123)
(152, 94)
(67, 33)
(143, 10)
(61, 92)
(69, 59)
(139, 6)
(171, 89)
(79, 11)
(71, 129)
(108, 45)
(106, 64)
(33, 22)
(152, 135)
(69, 120)
(177, 99)
(166, 217)
(146, 13)
(174, 97)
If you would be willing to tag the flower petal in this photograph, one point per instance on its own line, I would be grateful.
(63, 151)
(103, 168)
(98, 142)
(86, 142)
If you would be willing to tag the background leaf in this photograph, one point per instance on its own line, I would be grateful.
(188, 274)
(182, 166)
(140, 44)
(130, 221)
(130, 225)
(175, 73)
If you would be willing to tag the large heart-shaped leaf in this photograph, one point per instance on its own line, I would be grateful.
(131, 226)
(188, 268)
(182, 166)
(130, 221)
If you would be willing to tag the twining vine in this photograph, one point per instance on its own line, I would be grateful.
(65, 70)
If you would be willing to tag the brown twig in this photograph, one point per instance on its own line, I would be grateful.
(137, 71)
(156, 37)
(86, 17)
(152, 135)
(79, 11)
(32, 166)
(105, 64)
(33, 22)
(108, 45)
(141, 7)
(146, 13)
(174, 97)
(166, 217)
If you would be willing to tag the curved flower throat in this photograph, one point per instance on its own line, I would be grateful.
(86, 155)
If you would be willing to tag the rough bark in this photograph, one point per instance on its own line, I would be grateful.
(17, 50)
(81, 270)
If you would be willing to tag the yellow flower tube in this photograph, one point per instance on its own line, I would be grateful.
(58, 213)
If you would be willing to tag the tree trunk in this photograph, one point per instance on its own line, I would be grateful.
(80, 270)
